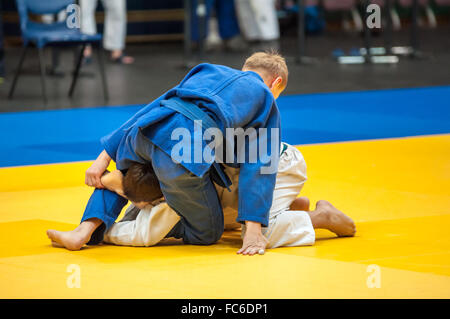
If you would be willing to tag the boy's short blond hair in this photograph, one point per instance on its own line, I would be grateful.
(271, 63)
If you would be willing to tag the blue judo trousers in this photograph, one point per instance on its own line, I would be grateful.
(230, 99)
(226, 16)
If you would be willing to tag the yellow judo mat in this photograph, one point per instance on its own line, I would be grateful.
(396, 190)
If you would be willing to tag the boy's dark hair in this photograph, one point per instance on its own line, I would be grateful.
(140, 183)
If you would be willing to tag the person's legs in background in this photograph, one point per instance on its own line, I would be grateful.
(115, 30)
(88, 23)
(195, 20)
(258, 22)
(228, 25)
(54, 69)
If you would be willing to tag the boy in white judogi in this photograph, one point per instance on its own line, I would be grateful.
(290, 222)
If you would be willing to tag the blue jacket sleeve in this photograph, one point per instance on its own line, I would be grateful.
(255, 194)
(257, 180)
(111, 141)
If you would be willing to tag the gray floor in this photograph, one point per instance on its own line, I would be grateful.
(158, 67)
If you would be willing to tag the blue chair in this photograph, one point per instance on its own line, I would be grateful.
(57, 33)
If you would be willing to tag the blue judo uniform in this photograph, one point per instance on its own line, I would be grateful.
(231, 99)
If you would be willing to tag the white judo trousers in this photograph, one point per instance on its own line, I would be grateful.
(286, 228)
(258, 19)
(115, 22)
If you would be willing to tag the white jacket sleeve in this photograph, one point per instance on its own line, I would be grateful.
(148, 229)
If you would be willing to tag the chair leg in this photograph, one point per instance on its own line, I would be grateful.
(102, 72)
(77, 70)
(42, 69)
(19, 69)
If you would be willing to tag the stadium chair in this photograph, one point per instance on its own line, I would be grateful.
(57, 33)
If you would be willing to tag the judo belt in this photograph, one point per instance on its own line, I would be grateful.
(193, 112)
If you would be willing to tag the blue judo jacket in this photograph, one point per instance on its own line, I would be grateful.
(233, 99)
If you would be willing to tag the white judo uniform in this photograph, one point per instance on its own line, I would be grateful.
(115, 22)
(286, 227)
(258, 19)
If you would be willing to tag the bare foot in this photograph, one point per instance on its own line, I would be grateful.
(72, 240)
(55, 244)
(329, 217)
(300, 203)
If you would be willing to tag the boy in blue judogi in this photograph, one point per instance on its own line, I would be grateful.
(218, 97)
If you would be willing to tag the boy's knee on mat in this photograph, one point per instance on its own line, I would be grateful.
(206, 238)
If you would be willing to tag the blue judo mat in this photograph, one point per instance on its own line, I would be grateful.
(40, 137)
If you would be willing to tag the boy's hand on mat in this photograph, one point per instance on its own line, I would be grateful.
(254, 241)
(95, 172)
